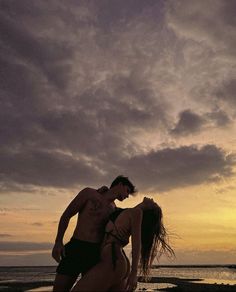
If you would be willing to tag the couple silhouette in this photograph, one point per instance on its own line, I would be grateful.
(95, 250)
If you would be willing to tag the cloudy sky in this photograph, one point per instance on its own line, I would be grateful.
(93, 89)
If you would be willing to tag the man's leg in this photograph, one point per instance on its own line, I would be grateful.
(63, 283)
(68, 269)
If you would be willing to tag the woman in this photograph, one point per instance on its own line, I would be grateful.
(144, 224)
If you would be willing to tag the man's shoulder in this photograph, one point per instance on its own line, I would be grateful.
(85, 194)
(88, 191)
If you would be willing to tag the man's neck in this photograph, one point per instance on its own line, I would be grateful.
(110, 196)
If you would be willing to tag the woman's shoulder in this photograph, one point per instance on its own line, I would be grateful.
(136, 213)
(136, 210)
(124, 214)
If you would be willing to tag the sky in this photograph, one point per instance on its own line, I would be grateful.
(93, 89)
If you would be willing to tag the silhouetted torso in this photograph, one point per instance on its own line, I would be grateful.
(92, 219)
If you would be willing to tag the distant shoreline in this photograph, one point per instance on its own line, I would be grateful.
(180, 285)
(232, 266)
(176, 282)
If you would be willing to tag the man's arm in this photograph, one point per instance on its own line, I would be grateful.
(75, 206)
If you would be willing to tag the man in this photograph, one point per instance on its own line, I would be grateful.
(83, 250)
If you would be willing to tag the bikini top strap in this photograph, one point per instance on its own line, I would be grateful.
(114, 235)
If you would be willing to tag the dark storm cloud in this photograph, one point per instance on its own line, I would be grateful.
(207, 31)
(228, 12)
(212, 22)
(219, 118)
(227, 92)
(189, 123)
(163, 170)
(42, 147)
(184, 166)
(33, 112)
(36, 127)
(79, 80)
(42, 168)
(41, 53)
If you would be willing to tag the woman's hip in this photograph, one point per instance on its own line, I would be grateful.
(114, 255)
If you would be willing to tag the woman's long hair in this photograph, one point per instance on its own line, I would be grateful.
(154, 239)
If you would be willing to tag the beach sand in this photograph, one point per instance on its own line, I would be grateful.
(14, 286)
(188, 285)
(155, 284)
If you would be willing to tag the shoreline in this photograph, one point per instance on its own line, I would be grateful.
(37, 282)
(175, 285)
(230, 266)
(170, 265)
(193, 285)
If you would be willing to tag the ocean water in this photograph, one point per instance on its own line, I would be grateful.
(27, 274)
(212, 275)
(208, 275)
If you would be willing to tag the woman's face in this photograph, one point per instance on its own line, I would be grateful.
(148, 203)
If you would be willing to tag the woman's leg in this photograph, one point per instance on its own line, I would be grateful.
(123, 283)
(63, 283)
(119, 287)
(99, 278)
(104, 276)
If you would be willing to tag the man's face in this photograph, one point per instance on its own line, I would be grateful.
(123, 192)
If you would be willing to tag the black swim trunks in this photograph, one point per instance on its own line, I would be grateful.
(80, 256)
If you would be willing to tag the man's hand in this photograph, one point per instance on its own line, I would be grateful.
(103, 189)
(132, 282)
(58, 251)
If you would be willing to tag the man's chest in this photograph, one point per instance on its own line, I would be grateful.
(98, 209)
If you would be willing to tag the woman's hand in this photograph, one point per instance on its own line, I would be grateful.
(132, 281)
(58, 251)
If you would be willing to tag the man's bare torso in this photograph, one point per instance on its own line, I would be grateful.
(93, 217)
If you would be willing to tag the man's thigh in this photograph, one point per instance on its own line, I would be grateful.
(79, 257)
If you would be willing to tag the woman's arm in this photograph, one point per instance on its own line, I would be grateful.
(136, 222)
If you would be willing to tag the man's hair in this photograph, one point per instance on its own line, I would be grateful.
(125, 181)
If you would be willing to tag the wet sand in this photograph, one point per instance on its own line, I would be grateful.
(189, 285)
(162, 284)
(23, 286)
